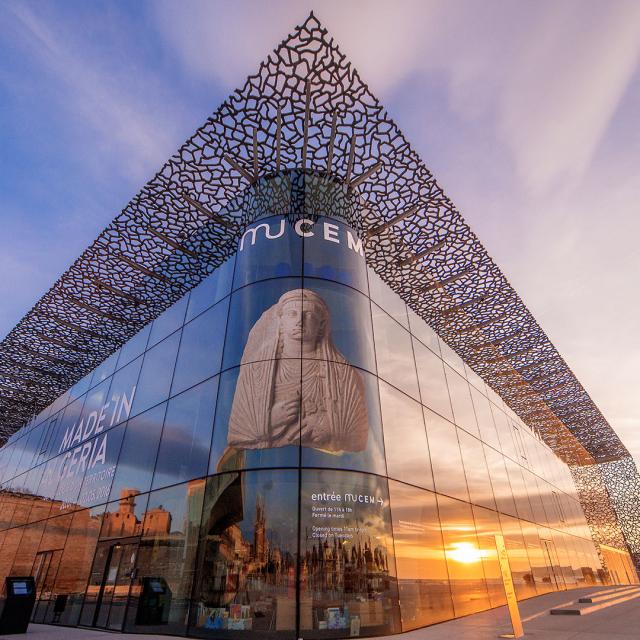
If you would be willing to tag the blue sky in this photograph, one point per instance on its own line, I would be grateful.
(527, 113)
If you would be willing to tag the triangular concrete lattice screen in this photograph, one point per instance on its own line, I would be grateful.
(305, 108)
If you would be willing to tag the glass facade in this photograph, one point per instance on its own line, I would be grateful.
(287, 451)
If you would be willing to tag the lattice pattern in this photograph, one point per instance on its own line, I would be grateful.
(623, 484)
(600, 515)
(305, 108)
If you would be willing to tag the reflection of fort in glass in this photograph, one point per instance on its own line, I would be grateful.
(289, 450)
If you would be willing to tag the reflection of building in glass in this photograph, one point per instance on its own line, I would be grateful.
(246, 578)
(306, 400)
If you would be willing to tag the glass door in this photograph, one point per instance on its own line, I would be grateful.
(45, 569)
(119, 591)
(109, 585)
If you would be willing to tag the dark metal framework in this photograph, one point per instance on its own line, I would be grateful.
(306, 107)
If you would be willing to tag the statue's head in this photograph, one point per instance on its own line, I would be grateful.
(304, 316)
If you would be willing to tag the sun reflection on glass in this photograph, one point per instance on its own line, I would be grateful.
(466, 553)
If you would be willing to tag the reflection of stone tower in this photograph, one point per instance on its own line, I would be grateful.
(123, 522)
(157, 522)
(259, 533)
(127, 501)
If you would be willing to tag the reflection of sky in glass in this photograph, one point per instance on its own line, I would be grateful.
(278, 256)
(212, 289)
(405, 438)
(334, 258)
(394, 353)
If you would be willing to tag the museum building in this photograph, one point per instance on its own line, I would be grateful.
(287, 394)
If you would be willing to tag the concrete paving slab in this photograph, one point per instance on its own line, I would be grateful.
(618, 622)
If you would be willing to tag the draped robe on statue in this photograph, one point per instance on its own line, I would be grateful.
(332, 413)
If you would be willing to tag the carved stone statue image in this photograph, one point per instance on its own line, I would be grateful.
(272, 407)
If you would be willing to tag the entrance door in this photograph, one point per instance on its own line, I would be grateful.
(109, 585)
(551, 558)
(45, 570)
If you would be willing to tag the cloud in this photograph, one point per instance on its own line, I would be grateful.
(528, 69)
(526, 95)
(564, 87)
(225, 41)
(130, 132)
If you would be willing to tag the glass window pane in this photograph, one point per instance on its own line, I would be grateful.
(79, 387)
(476, 382)
(421, 330)
(75, 563)
(519, 490)
(382, 294)
(433, 384)
(67, 428)
(463, 413)
(252, 429)
(49, 442)
(134, 347)
(95, 412)
(464, 557)
(487, 527)
(200, 354)
(168, 321)
(518, 440)
(405, 438)
(476, 472)
(539, 568)
(26, 552)
(156, 374)
(452, 358)
(47, 563)
(106, 369)
(9, 549)
(46, 489)
(101, 467)
(166, 560)
(423, 579)
(504, 432)
(484, 416)
(246, 567)
(345, 317)
(534, 498)
(186, 436)
(211, 290)
(334, 243)
(394, 353)
(500, 481)
(518, 558)
(448, 472)
(122, 392)
(269, 248)
(31, 450)
(339, 412)
(544, 491)
(347, 553)
(123, 518)
(254, 327)
(138, 455)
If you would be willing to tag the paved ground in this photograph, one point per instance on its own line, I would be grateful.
(619, 622)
